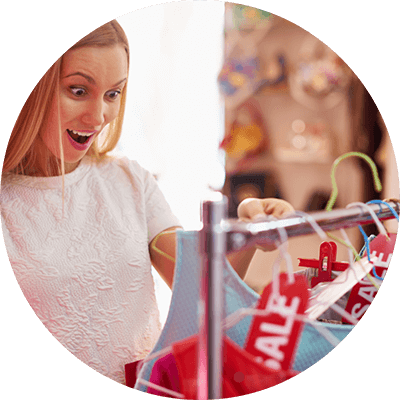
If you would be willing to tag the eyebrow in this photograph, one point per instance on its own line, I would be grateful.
(90, 79)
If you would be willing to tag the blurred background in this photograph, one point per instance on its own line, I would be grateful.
(228, 98)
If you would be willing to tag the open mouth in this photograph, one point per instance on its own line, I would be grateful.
(79, 137)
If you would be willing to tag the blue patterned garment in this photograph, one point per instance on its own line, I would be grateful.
(182, 320)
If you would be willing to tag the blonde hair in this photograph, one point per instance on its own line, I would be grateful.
(23, 154)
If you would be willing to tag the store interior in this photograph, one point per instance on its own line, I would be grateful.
(226, 99)
(292, 107)
(255, 106)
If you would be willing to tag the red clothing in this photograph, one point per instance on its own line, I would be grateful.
(241, 373)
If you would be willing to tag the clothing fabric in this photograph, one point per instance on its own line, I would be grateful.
(131, 371)
(81, 257)
(241, 375)
(165, 374)
(182, 319)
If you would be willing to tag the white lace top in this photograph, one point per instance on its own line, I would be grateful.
(87, 272)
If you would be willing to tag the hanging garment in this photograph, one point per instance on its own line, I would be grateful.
(165, 374)
(242, 374)
(182, 320)
(268, 355)
(131, 371)
(357, 300)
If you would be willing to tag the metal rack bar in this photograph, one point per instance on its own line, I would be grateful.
(241, 235)
(220, 236)
(213, 250)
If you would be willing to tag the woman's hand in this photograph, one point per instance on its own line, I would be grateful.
(257, 209)
(253, 210)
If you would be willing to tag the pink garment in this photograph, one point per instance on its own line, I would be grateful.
(165, 374)
(131, 372)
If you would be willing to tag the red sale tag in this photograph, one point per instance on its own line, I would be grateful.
(273, 337)
(363, 293)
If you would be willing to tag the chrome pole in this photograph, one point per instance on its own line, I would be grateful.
(220, 236)
(210, 349)
(241, 235)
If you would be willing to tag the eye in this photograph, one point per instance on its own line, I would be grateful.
(78, 91)
(113, 94)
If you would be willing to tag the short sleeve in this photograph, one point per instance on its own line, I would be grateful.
(158, 212)
(150, 202)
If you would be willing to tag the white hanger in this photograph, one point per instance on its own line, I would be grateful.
(238, 315)
(328, 296)
(378, 223)
(235, 317)
(334, 290)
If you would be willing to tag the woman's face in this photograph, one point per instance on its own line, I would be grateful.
(91, 82)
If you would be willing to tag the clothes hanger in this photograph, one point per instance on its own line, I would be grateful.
(235, 317)
(252, 311)
(323, 282)
(368, 240)
(363, 293)
(358, 275)
(319, 327)
(318, 307)
(315, 309)
(334, 290)
(317, 339)
(335, 307)
(169, 349)
(318, 230)
(274, 331)
(335, 192)
(346, 242)
(260, 378)
(380, 227)
(322, 329)
(378, 223)
(182, 320)
(387, 205)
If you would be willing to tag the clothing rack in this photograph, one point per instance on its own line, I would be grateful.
(220, 236)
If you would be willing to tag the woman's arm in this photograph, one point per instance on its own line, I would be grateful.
(163, 246)
(240, 261)
(162, 254)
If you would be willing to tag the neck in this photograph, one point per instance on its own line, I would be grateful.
(45, 166)
(41, 162)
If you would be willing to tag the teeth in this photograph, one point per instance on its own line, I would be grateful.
(86, 134)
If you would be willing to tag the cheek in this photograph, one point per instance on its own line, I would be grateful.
(69, 111)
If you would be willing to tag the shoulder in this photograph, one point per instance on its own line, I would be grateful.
(117, 163)
(121, 171)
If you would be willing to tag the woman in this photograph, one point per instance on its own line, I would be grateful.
(79, 224)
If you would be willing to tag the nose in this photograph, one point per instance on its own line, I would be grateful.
(94, 114)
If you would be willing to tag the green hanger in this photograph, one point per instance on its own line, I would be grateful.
(335, 191)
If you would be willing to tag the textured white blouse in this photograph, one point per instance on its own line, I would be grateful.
(84, 264)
